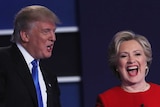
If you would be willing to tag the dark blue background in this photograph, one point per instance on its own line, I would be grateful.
(100, 20)
(65, 10)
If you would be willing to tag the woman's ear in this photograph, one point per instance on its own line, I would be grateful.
(24, 36)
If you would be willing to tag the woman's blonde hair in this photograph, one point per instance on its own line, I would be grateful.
(125, 36)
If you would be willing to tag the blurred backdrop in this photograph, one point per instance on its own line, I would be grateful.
(79, 56)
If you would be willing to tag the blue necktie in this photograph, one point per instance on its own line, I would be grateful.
(36, 82)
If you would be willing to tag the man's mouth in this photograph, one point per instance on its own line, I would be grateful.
(50, 47)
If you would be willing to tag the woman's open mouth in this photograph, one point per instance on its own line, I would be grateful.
(132, 70)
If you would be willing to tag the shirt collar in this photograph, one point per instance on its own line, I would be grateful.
(28, 58)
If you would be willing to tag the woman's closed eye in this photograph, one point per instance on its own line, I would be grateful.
(138, 54)
(123, 56)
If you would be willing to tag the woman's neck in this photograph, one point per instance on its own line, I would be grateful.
(136, 87)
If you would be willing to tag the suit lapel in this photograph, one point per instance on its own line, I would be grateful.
(49, 87)
(22, 69)
(52, 87)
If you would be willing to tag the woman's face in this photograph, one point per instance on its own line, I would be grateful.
(132, 62)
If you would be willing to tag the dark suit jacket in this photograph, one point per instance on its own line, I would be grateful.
(16, 84)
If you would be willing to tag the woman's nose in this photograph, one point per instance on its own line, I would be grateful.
(131, 59)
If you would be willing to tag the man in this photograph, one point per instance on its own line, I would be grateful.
(33, 39)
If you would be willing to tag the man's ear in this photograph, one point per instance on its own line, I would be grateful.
(24, 36)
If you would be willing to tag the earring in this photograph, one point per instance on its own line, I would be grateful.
(147, 70)
(116, 69)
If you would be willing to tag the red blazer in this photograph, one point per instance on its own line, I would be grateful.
(117, 97)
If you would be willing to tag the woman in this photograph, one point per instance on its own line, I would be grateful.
(130, 56)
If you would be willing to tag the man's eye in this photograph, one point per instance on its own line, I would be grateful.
(45, 32)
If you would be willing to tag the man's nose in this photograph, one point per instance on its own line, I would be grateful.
(53, 37)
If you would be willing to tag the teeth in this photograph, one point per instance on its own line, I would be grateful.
(48, 47)
(132, 68)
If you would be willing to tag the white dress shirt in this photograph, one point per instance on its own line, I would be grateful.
(28, 58)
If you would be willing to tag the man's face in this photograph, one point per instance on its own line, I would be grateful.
(41, 38)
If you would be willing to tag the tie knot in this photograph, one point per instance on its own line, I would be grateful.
(34, 63)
